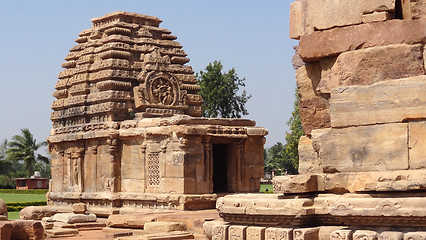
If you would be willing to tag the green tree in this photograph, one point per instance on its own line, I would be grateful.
(290, 152)
(220, 92)
(286, 158)
(5, 166)
(273, 158)
(24, 148)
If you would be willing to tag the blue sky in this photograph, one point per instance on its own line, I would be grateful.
(251, 36)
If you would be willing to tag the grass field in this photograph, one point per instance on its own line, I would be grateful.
(266, 188)
(12, 197)
(13, 215)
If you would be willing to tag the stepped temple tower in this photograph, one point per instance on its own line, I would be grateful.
(360, 73)
(127, 132)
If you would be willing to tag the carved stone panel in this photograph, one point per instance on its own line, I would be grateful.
(153, 169)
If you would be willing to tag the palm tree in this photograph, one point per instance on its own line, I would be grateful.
(23, 148)
(5, 166)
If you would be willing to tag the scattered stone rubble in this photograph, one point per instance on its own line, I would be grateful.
(362, 105)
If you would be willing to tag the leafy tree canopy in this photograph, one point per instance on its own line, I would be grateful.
(220, 92)
(24, 148)
(286, 158)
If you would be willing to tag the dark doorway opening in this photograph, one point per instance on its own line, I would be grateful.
(220, 168)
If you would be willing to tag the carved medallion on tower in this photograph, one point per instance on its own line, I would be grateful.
(159, 91)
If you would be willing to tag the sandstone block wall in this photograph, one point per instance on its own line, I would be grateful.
(360, 73)
(361, 86)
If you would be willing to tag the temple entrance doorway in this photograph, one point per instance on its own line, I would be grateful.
(220, 167)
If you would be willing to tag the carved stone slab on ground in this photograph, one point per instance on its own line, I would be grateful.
(74, 218)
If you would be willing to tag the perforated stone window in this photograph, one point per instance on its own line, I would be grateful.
(153, 169)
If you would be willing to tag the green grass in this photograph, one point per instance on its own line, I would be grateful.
(266, 188)
(12, 197)
(13, 215)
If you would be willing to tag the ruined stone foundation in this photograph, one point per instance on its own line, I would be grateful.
(127, 133)
(360, 72)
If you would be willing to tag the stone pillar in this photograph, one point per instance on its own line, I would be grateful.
(76, 161)
(113, 181)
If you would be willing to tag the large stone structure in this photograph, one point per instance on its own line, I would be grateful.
(362, 164)
(127, 132)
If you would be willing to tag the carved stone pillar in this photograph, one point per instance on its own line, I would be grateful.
(239, 162)
(208, 160)
(113, 181)
(76, 161)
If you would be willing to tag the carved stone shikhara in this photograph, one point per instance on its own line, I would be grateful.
(362, 106)
(127, 132)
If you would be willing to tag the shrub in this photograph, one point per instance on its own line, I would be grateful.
(24, 191)
(26, 204)
(18, 206)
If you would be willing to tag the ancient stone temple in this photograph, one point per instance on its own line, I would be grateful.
(360, 72)
(127, 133)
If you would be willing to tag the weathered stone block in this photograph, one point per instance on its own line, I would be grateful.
(255, 233)
(37, 212)
(383, 181)
(384, 102)
(61, 232)
(74, 218)
(413, 9)
(335, 41)
(296, 61)
(79, 208)
(365, 235)
(308, 158)
(424, 56)
(387, 235)
(47, 225)
(176, 235)
(417, 143)
(129, 220)
(305, 233)
(295, 183)
(297, 19)
(415, 236)
(376, 17)
(3, 207)
(27, 229)
(236, 232)
(275, 233)
(165, 226)
(343, 234)
(209, 225)
(307, 79)
(5, 230)
(323, 14)
(365, 148)
(220, 232)
(314, 114)
(371, 65)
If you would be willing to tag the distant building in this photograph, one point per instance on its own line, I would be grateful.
(34, 182)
